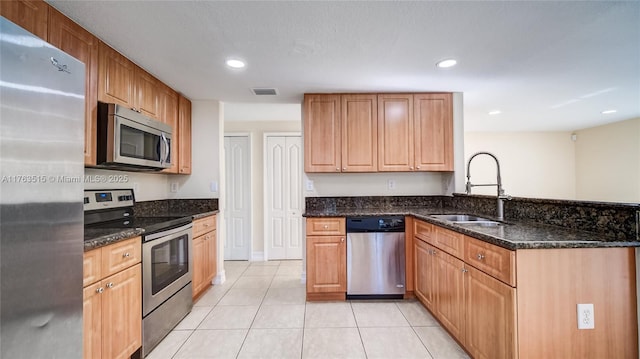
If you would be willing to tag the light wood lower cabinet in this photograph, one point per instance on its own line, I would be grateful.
(425, 269)
(326, 259)
(204, 254)
(470, 287)
(112, 300)
(490, 316)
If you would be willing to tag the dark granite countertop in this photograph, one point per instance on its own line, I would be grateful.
(100, 237)
(512, 235)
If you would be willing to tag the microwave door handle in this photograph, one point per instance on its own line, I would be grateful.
(161, 148)
(167, 148)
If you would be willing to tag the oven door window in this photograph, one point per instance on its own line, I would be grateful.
(169, 261)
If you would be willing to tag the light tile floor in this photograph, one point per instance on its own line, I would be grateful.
(261, 312)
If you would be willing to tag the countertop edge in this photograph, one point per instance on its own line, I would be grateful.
(111, 238)
(501, 242)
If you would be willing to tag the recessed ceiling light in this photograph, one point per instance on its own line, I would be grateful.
(447, 63)
(495, 112)
(606, 112)
(235, 63)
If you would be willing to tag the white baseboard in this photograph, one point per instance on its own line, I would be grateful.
(219, 278)
(257, 257)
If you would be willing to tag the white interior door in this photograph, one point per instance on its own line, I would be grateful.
(283, 193)
(237, 243)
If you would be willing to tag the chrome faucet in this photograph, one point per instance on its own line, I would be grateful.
(501, 195)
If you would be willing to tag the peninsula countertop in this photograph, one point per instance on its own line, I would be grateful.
(511, 235)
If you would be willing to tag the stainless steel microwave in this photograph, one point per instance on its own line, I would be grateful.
(128, 140)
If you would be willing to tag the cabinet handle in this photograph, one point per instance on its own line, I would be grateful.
(344, 168)
(417, 167)
(464, 270)
(411, 168)
(126, 255)
(434, 252)
(134, 109)
(99, 290)
(110, 285)
(342, 239)
(206, 224)
(480, 256)
(325, 226)
(337, 169)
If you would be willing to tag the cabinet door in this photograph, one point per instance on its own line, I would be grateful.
(433, 131)
(490, 316)
(199, 260)
(169, 115)
(395, 132)
(450, 293)
(184, 133)
(115, 77)
(81, 44)
(92, 321)
(322, 133)
(326, 264)
(359, 133)
(211, 260)
(122, 313)
(147, 94)
(31, 15)
(425, 273)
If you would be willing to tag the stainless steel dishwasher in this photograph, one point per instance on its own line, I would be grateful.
(375, 257)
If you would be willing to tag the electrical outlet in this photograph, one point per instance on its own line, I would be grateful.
(174, 187)
(586, 318)
(213, 186)
(309, 185)
(391, 184)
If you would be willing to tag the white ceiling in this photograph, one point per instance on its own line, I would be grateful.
(547, 65)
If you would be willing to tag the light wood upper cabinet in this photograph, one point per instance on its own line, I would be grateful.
(81, 44)
(31, 15)
(168, 100)
(147, 94)
(115, 77)
(123, 82)
(433, 130)
(184, 135)
(395, 132)
(322, 138)
(359, 133)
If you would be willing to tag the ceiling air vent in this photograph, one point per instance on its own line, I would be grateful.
(264, 91)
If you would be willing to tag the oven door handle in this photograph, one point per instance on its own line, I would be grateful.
(169, 234)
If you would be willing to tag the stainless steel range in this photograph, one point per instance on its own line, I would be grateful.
(167, 263)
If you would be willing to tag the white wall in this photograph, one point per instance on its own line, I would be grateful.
(532, 164)
(608, 162)
(257, 129)
(146, 186)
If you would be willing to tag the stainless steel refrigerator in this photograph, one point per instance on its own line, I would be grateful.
(41, 220)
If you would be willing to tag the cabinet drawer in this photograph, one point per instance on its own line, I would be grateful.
(448, 241)
(92, 267)
(498, 262)
(422, 230)
(121, 255)
(203, 225)
(326, 226)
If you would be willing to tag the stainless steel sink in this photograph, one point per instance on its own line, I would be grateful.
(466, 219)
